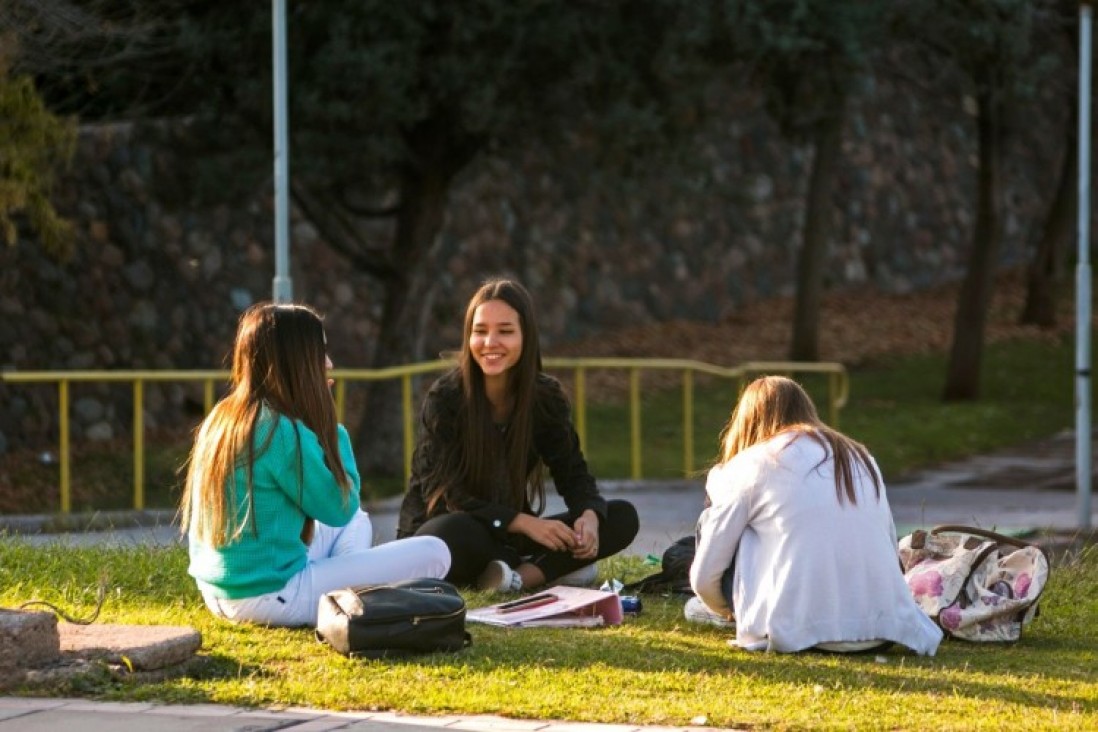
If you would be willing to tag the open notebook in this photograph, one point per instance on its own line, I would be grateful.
(554, 607)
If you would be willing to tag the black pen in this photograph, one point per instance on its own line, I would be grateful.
(527, 603)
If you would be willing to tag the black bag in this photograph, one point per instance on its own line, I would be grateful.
(674, 574)
(401, 618)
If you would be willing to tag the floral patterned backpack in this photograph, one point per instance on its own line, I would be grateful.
(976, 584)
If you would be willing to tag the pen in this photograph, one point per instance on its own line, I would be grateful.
(526, 600)
(528, 603)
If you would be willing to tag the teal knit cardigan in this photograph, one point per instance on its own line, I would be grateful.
(290, 482)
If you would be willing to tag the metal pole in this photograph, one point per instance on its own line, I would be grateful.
(282, 287)
(1083, 439)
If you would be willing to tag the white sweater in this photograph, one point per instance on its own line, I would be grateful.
(808, 569)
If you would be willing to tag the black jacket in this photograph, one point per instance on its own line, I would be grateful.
(555, 442)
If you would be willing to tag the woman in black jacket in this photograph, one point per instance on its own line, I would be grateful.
(487, 429)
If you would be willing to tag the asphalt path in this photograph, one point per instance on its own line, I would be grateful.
(1025, 489)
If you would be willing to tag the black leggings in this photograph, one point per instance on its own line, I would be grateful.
(472, 544)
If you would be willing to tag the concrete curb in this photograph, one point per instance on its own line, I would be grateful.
(50, 714)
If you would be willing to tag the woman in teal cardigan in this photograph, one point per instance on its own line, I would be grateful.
(271, 501)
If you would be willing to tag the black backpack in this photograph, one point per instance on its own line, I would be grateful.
(674, 574)
(396, 619)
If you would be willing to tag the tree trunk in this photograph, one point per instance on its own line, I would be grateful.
(379, 438)
(966, 353)
(438, 155)
(817, 231)
(1044, 271)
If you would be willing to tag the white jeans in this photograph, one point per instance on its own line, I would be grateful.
(338, 557)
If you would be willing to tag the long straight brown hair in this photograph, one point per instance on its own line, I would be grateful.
(771, 405)
(473, 463)
(278, 362)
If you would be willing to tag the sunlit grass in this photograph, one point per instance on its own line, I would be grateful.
(654, 669)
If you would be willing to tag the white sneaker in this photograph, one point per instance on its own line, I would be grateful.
(697, 612)
(498, 577)
(585, 576)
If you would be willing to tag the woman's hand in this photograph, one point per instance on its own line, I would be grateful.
(555, 535)
(587, 535)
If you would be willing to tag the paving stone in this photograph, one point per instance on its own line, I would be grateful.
(394, 721)
(210, 711)
(593, 727)
(146, 647)
(98, 706)
(32, 704)
(325, 724)
(59, 719)
(499, 724)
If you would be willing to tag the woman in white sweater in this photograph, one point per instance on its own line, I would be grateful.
(797, 546)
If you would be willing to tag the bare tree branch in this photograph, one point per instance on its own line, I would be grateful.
(56, 34)
(342, 235)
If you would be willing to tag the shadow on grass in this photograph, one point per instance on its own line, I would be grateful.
(1020, 675)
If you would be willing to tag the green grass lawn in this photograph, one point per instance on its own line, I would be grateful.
(895, 408)
(654, 669)
(1027, 393)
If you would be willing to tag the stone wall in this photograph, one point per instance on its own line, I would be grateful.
(157, 282)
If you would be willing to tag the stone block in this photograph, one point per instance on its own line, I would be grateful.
(28, 639)
(145, 647)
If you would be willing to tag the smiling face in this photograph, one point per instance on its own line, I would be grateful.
(495, 340)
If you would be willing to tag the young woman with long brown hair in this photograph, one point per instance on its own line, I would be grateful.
(488, 427)
(271, 500)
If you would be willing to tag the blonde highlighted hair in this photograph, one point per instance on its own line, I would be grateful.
(279, 363)
(771, 405)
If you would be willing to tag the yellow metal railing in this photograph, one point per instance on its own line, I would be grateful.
(838, 388)
(837, 391)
